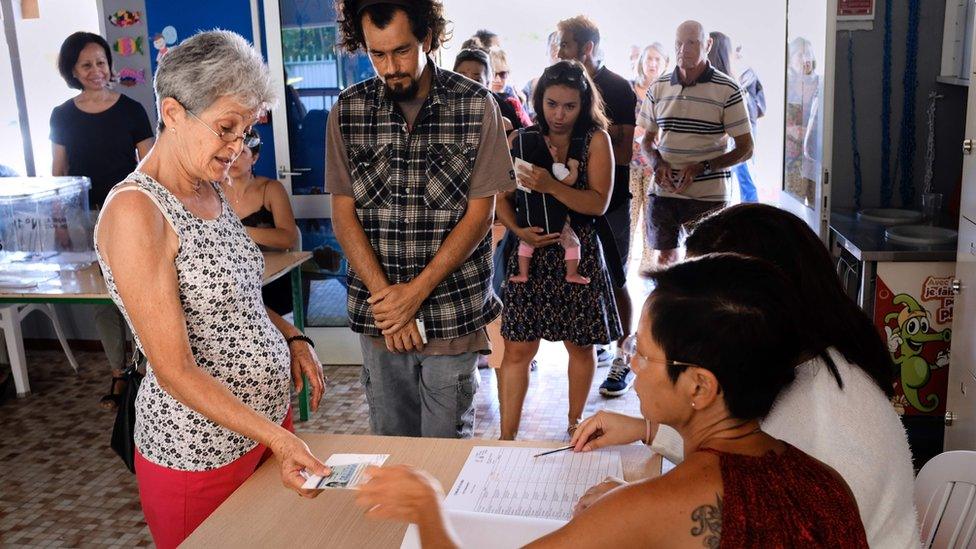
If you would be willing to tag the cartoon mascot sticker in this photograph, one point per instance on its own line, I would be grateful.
(906, 341)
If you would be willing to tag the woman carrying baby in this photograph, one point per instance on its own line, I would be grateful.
(567, 164)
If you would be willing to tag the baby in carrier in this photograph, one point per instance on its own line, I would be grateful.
(566, 173)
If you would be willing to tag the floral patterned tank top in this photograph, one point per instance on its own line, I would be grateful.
(220, 272)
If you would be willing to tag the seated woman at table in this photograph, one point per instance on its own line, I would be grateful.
(215, 401)
(838, 409)
(263, 207)
(716, 343)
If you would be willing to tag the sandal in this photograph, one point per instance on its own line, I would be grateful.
(112, 400)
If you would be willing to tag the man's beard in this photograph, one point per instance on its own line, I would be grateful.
(404, 93)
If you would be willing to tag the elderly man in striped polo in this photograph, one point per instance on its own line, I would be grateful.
(689, 116)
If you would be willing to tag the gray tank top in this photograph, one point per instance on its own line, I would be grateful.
(220, 272)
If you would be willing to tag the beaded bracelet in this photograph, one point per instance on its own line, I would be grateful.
(304, 338)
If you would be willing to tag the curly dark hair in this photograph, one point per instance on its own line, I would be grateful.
(424, 15)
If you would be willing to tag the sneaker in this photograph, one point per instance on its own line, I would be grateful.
(604, 356)
(618, 381)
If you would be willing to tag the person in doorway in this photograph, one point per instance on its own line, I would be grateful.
(215, 401)
(756, 105)
(100, 134)
(715, 345)
(804, 118)
(546, 305)
(837, 409)
(689, 118)
(651, 64)
(415, 157)
(721, 57)
(263, 207)
(579, 39)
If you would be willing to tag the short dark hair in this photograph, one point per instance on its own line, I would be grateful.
(486, 36)
(582, 29)
(473, 43)
(71, 49)
(734, 316)
(474, 54)
(425, 16)
(572, 74)
(767, 232)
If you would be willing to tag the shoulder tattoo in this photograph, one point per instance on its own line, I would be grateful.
(707, 521)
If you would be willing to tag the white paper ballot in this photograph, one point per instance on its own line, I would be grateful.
(509, 481)
(484, 531)
(524, 166)
(342, 460)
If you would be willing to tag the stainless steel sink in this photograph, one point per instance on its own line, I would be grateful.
(890, 216)
(920, 235)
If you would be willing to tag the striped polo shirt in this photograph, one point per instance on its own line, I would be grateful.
(694, 123)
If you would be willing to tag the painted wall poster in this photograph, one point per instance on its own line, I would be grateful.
(123, 25)
(163, 39)
(125, 18)
(129, 77)
(913, 314)
(128, 45)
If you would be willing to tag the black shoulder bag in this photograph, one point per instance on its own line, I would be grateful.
(123, 433)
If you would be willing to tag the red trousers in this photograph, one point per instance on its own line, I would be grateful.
(176, 502)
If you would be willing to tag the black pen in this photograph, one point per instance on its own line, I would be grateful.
(554, 450)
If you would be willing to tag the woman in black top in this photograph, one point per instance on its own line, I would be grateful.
(98, 134)
(546, 306)
(262, 205)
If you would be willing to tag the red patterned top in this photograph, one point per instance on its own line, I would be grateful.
(785, 500)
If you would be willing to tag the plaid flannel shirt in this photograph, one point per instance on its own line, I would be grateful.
(411, 190)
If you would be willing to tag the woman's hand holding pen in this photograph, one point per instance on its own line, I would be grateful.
(610, 429)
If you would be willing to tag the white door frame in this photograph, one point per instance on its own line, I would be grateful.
(818, 216)
(333, 345)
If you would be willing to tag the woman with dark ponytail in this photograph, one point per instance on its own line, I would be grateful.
(837, 409)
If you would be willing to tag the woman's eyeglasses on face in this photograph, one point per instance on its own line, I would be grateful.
(251, 138)
(639, 362)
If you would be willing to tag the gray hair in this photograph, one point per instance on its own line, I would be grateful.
(702, 33)
(210, 65)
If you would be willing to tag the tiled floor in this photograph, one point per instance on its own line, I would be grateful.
(61, 485)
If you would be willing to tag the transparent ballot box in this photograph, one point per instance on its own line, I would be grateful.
(45, 224)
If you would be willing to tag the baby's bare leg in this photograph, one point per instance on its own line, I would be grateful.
(524, 259)
(570, 242)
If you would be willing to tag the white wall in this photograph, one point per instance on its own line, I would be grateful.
(39, 41)
(759, 25)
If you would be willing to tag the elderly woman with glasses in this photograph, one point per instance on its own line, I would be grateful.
(715, 345)
(179, 264)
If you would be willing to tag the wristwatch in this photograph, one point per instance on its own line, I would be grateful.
(706, 167)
